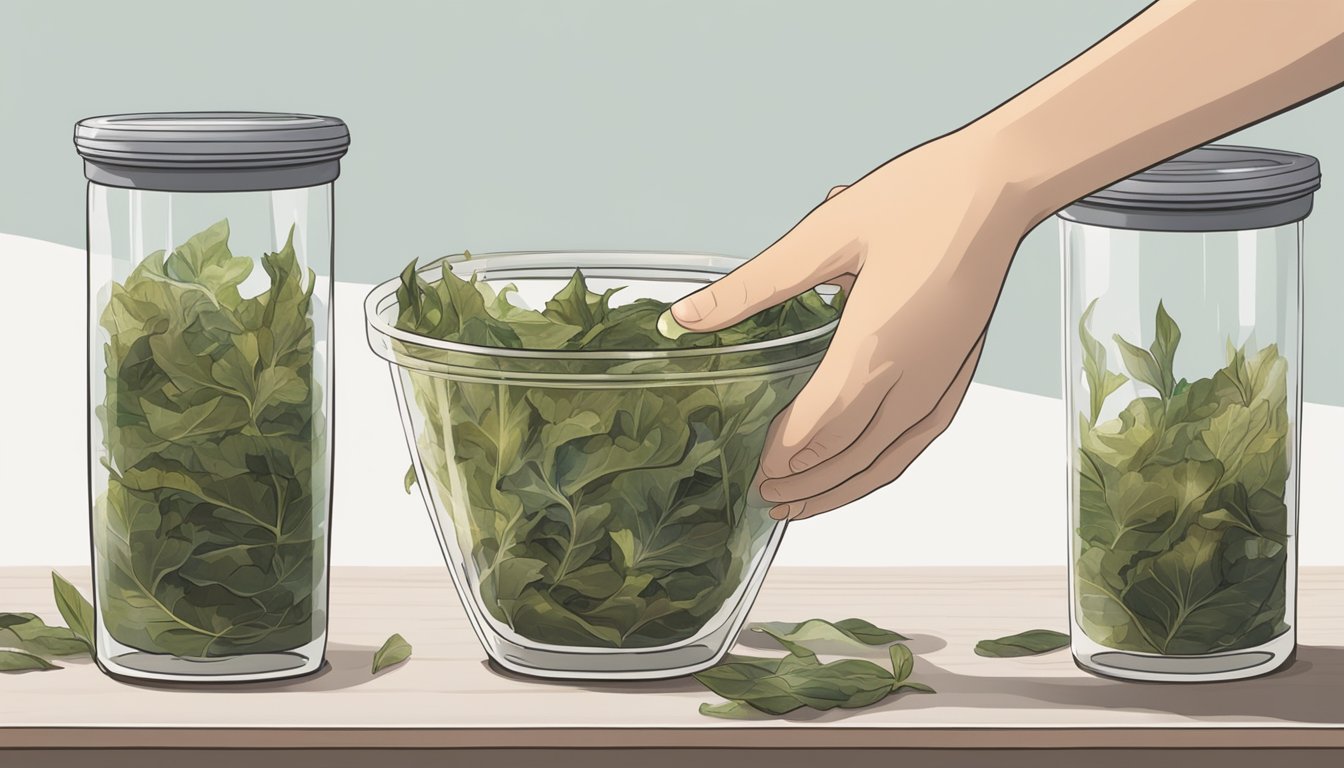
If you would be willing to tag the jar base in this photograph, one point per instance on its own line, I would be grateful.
(125, 662)
(1233, 665)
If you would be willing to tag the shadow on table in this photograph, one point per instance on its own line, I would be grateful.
(346, 666)
(747, 643)
(1306, 691)
(667, 685)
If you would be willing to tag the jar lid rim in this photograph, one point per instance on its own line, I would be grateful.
(1213, 178)
(195, 142)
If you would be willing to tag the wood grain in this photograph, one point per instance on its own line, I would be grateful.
(447, 696)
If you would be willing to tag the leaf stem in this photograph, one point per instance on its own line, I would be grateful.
(1120, 602)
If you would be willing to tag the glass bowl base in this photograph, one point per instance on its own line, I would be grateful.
(688, 657)
(628, 664)
(519, 655)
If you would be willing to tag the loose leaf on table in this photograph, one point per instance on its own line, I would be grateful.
(1029, 643)
(18, 661)
(778, 686)
(27, 632)
(75, 609)
(732, 710)
(394, 651)
(794, 682)
(820, 635)
(410, 480)
(902, 661)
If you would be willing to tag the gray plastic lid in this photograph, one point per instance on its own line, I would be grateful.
(211, 151)
(1215, 188)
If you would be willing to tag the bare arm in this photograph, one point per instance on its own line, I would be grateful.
(1180, 74)
(925, 240)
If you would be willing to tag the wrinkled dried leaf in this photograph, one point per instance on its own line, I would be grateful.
(394, 651)
(1029, 643)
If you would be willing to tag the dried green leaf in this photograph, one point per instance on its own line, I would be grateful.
(27, 632)
(823, 636)
(1101, 383)
(210, 535)
(732, 710)
(1029, 643)
(844, 684)
(1166, 338)
(777, 686)
(410, 480)
(394, 651)
(1141, 364)
(668, 326)
(18, 661)
(794, 682)
(75, 609)
(1183, 525)
(902, 661)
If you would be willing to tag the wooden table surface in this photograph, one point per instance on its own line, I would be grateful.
(448, 697)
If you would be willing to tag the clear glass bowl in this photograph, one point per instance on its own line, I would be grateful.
(596, 509)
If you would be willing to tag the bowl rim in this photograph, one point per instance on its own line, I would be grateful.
(375, 303)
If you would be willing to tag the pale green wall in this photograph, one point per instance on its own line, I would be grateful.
(677, 125)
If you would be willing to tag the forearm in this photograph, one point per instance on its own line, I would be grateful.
(1180, 74)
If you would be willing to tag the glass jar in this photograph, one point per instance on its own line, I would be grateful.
(210, 283)
(1182, 381)
(596, 508)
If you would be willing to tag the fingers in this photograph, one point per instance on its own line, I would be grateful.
(890, 464)
(795, 263)
(804, 257)
(868, 446)
(837, 405)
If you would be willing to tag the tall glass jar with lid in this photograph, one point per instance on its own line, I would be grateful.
(1182, 378)
(210, 283)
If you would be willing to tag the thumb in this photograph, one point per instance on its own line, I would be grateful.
(803, 258)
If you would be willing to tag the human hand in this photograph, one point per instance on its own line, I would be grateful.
(922, 245)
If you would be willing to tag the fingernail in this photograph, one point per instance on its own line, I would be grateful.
(685, 312)
(695, 307)
(803, 459)
(780, 512)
